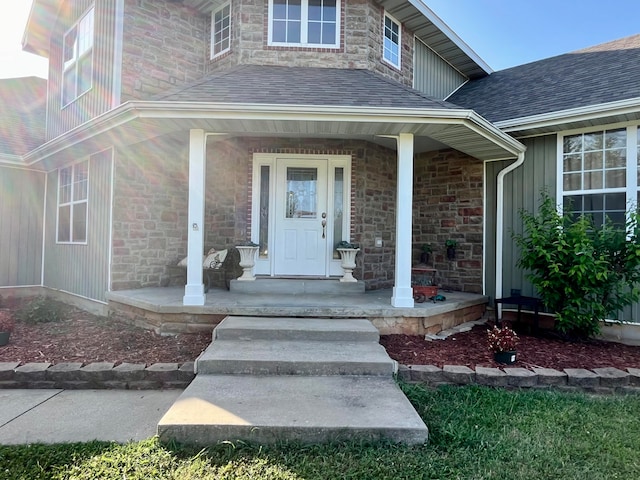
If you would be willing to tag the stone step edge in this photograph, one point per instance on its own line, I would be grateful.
(138, 376)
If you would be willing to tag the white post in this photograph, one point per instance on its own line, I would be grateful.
(194, 290)
(402, 292)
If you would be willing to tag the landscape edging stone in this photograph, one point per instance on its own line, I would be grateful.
(137, 376)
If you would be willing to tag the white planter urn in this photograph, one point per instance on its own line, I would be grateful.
(348, 263)
(247, 261)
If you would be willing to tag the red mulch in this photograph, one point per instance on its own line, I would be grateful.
(86, 338)
(470, 349)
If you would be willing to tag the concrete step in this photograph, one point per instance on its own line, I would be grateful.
(269, 409)
(267, 357)
(314, 329)
(296, 286)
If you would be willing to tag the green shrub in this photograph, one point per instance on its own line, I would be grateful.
(40, 310)
(583, 273)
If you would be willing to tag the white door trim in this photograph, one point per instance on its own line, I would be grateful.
(265, 263)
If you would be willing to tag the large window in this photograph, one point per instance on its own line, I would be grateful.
(221, 30)
(600, 173)
(73, 185)
(78, 61)
(308, 23)
(391, 41)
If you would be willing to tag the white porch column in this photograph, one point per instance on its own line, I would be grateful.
(194, 290)
(402, 292)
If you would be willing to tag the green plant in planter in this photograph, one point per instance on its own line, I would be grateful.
(425, 253)
(345, 244)
(248, 243)
(582, 272)
(451, 248)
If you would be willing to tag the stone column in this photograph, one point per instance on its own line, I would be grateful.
(194, 289)
(402, 292)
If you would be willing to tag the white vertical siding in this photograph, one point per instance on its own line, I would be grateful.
(21, 210)
(82, 269)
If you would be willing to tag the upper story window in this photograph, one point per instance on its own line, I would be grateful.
(307, 23)
(77, 60)
(73, 187)
(391, 41)
(600, 173)
(221, 30)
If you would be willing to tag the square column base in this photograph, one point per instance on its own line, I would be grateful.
(402, 297)
(194, 295)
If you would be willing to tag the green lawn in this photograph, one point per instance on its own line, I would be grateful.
(476, 433)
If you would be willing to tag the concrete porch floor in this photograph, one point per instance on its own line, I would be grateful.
(161, 309)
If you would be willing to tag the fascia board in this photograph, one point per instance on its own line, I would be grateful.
(444, 28)
(551, 119)
(201, 110)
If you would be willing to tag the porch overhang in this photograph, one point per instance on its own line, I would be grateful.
(133, 122)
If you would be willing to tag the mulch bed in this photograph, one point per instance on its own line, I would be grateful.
(546, 350)
(86, 338)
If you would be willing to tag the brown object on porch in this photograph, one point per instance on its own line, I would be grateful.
(213, 277)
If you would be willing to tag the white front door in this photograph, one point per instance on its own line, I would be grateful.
(301, 217)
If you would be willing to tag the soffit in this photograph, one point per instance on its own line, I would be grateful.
(138, 124)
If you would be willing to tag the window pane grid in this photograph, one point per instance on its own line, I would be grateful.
(77, 58)
(594, 161)
(305, 22)
(73, 203)
(594, 174)
(221, 30)
(391, 41)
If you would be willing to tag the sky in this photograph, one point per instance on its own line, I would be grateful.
(504, 33)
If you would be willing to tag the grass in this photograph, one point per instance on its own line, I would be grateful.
(475, 433)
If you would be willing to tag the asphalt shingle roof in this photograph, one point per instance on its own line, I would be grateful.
(604, 73)
(22, 114)
(276, 85)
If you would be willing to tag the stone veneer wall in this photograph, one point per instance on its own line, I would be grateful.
(151, 200)
(150, 210)
(448, 192)
(227, 193)
(373, 196)
(361, 42)
(164, 45)
(168, 44)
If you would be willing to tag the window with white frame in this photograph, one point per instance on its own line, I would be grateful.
(600, 173)
(78, 58)
(391, 41)
(73, 183)
(221, 30)
(308, 23)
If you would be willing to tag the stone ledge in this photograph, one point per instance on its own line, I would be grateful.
(137, 376)
(599, 381)
(98, 375)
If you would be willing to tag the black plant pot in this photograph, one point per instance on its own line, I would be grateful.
(424, 257)
(507, 358)
(451, 253)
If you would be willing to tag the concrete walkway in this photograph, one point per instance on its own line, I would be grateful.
(57, 416)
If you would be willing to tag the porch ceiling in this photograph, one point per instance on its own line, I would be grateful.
(134, 122)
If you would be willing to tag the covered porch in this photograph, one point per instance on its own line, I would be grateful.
(162, 309)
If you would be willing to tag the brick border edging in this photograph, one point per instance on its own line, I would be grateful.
(137, 376)
(99, 375)
(599, 380)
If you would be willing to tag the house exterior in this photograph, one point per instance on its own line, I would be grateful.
(172, 126)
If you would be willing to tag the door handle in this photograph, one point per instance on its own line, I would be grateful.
(324, 226)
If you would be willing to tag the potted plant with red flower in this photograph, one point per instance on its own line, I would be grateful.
(503, 342)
